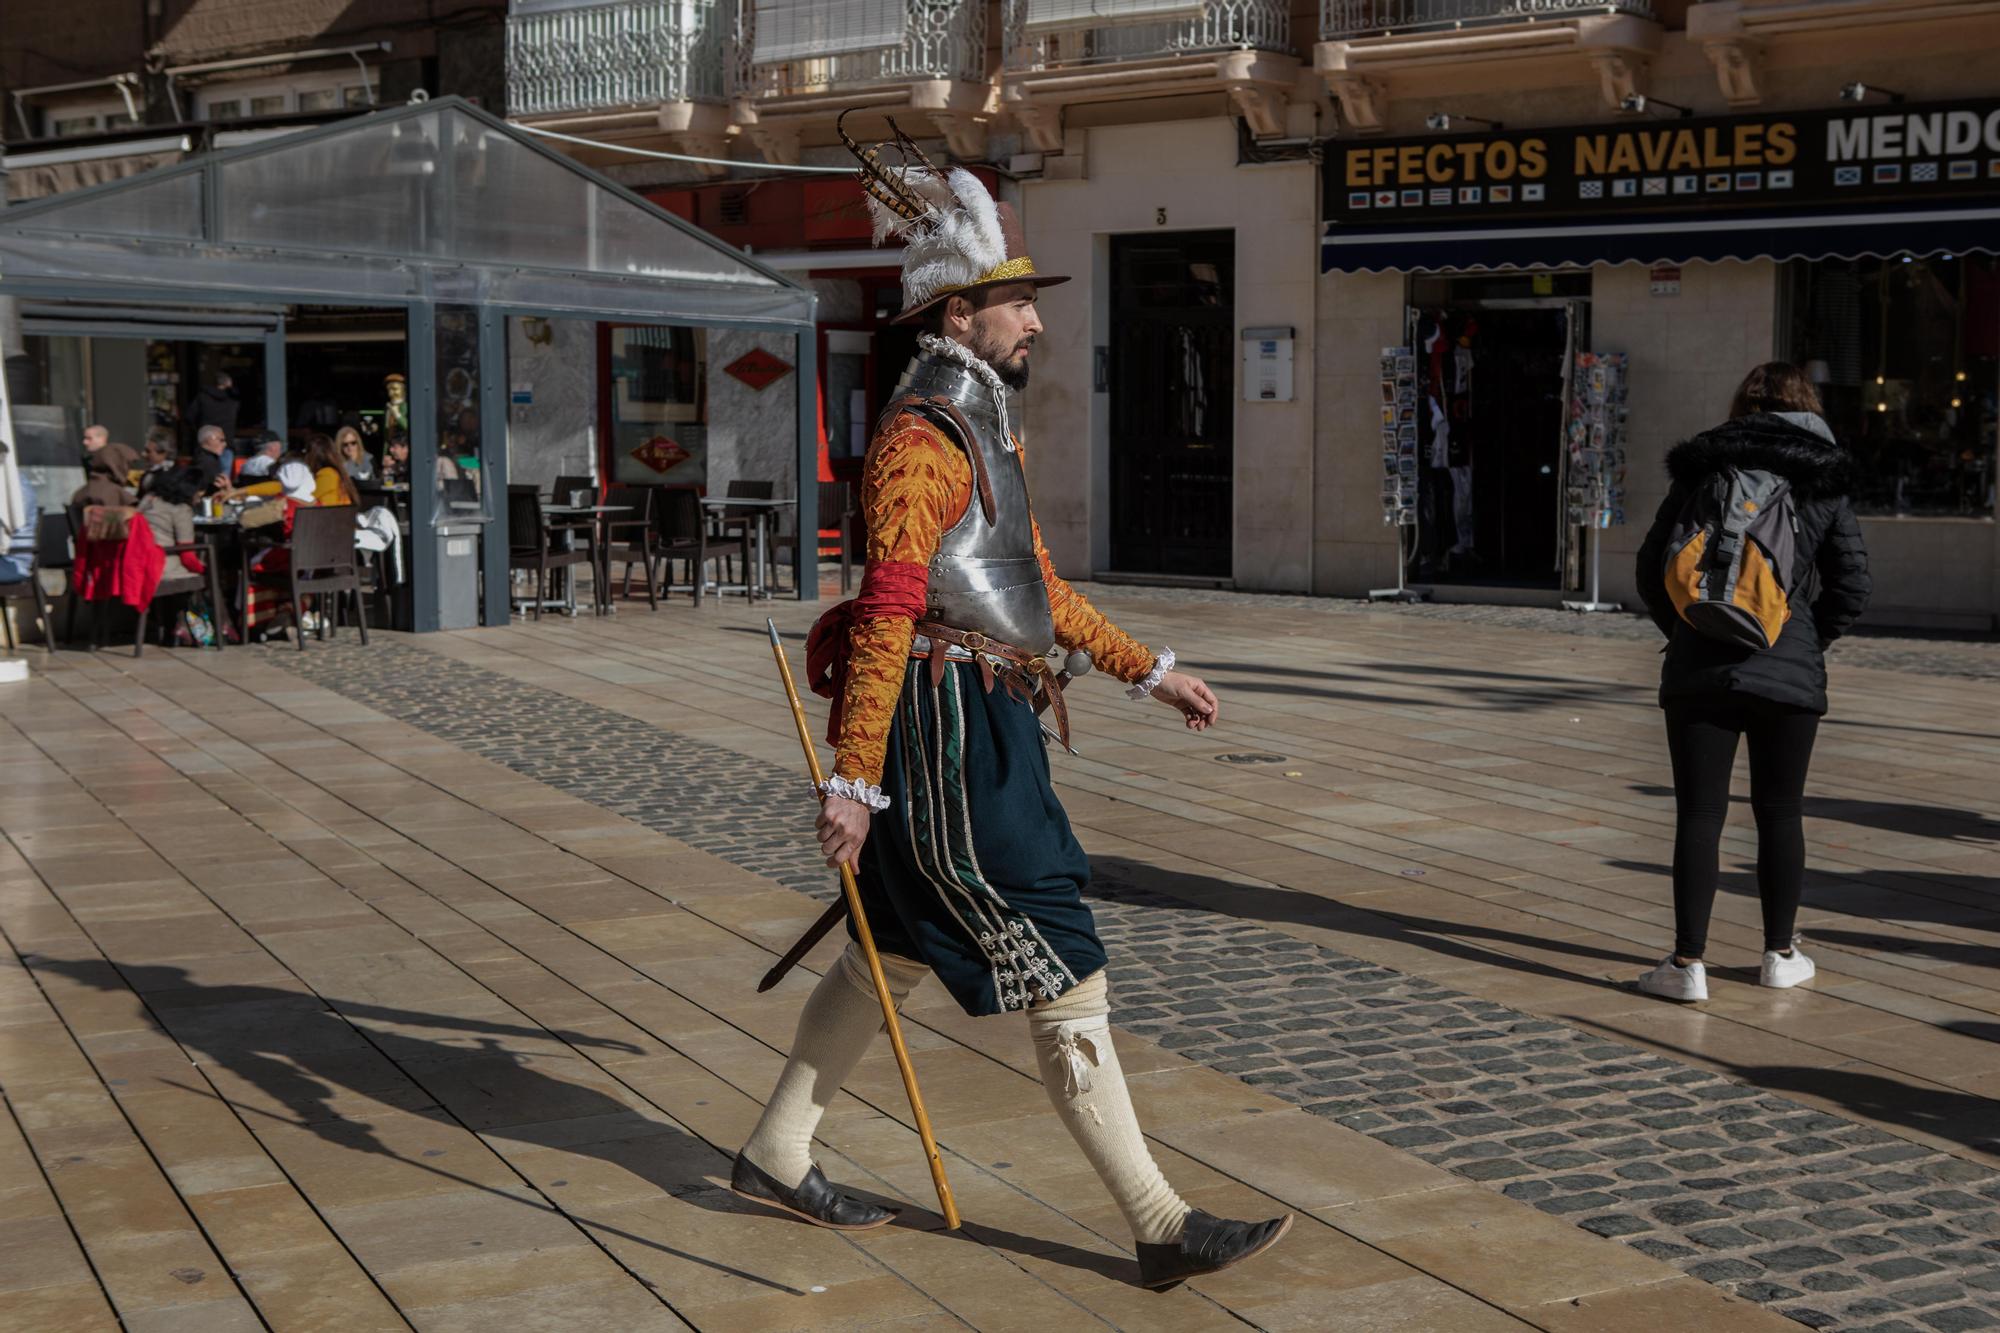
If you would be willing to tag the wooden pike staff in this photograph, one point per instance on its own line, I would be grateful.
(852, 893)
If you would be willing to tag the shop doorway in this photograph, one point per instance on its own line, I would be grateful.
(1492, 354)
(1173, 409)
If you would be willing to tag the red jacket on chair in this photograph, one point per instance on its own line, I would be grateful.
(126, 570)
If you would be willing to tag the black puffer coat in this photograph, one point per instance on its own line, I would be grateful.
(1831, 576)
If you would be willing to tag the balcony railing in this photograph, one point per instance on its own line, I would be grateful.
(630, 53)
(1367, 18)
(1225, 25)
(943, 39)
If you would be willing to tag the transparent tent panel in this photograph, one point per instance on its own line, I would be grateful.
(374, 189)
(533, 210)
(168, 209)
(434, 202)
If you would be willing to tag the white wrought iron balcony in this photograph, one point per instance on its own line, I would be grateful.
(1066, 52)
(1368, 18)
(1056, 34)
(630, 53)
(809, 47)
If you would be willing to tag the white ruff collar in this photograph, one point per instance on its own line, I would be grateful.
(963, 355)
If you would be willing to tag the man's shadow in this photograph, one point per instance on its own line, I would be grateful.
(300, 1052)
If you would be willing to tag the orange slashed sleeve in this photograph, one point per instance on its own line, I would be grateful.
(914, 484)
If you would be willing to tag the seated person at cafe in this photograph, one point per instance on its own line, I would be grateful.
(168, 508)
(264, 458)
(157, 457)
(107, 478)
(214, 457)
(354, 454)
(396, 460)
(317, 479)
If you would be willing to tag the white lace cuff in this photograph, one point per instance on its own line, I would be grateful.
(855, 790)
(1162, 664)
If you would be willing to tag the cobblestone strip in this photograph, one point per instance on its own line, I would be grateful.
(1962, 657)
(1834, 1223)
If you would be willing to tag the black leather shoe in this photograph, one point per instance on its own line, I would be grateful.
(815, 1199)
(1208, 1244)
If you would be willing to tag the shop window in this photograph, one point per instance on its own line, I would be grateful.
(319, 99)
(1906, 354)
(69, 127)
(270, 105)
(356, 95)
(658, 405)
(230, 109)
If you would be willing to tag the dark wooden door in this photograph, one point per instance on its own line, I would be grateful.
(1173, 402)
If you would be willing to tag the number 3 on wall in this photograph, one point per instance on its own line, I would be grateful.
(1159, 217)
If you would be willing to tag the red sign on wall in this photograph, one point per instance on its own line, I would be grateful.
(758, 368)
(661, 454)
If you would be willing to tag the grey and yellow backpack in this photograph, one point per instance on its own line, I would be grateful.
(1730, 557)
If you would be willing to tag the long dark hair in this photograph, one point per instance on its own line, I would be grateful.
(1775, 386)
(320, 453)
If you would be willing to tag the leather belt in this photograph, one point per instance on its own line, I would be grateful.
(1031, 672)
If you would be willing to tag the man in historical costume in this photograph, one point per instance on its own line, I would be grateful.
(941, 796)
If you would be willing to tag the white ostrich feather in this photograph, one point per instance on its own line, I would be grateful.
(954, 244)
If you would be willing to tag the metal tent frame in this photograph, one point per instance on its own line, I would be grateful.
(437, 204)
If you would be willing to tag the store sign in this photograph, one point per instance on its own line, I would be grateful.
(1666, 279)
(661, 454)
(758, 368)
(1937, 153)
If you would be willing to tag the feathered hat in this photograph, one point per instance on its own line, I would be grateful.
(957, 239)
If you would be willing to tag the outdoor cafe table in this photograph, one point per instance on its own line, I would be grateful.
(760, 513)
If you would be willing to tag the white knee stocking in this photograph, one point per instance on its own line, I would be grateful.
(838, 1022)
(1080, 1069)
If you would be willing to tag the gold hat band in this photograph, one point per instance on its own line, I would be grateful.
(1012, 270)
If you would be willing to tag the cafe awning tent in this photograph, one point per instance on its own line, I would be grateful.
(432, 205)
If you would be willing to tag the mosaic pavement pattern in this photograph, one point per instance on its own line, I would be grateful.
(1834, 1223)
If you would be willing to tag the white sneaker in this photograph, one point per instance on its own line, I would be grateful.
(1781, 971)
(1673, 982)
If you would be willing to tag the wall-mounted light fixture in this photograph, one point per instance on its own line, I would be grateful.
(1444, 120)
(1861, 92)
(1638, 104)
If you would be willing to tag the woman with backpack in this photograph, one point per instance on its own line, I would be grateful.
(1753, 566)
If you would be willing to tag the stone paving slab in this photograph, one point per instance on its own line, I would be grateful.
(1674, 1162)
(442, 872)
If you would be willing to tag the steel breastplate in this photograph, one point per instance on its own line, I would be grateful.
(985, 577)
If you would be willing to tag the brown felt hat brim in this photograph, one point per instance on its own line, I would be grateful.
(1037, 280)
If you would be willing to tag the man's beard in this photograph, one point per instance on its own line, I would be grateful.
(998, 355)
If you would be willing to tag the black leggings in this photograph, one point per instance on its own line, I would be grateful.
(1701, 737)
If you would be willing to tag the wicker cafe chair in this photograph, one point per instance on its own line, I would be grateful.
(532, 543)
(574, 490)
(633, 538)
(52, 551)
(735, 523)
(682, 536)
(835, 533)
(324, 561)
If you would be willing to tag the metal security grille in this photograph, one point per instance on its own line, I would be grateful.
(1046, 15)
(799, 29)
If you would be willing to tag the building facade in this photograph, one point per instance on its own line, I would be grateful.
(1259, 199)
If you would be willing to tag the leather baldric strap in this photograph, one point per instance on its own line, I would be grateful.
(968, 440)
(1031, 673)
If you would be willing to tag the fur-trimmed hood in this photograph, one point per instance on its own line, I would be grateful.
(1817, 467)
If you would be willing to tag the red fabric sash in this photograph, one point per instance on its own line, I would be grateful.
(890, 589)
